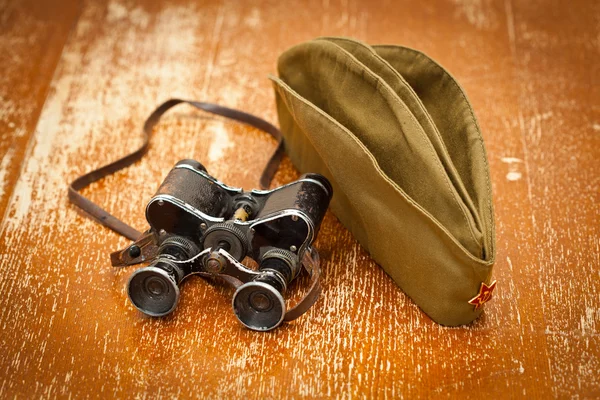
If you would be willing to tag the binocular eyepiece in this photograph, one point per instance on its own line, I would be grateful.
(259, 304)
(199, 225)
(154, 290)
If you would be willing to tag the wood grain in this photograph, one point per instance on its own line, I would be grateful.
(67, 330)
(32, 34)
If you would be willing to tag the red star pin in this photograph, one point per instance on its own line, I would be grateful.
(485, 295)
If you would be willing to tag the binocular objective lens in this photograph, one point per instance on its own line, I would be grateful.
(153, 291)
(259, 306)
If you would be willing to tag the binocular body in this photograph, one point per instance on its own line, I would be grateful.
(199, 225)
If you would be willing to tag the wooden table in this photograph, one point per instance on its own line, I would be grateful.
(78, 78)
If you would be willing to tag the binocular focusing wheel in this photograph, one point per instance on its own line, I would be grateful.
(259, 306)
(153, 291)
(225, 232)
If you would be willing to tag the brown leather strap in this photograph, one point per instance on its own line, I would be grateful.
(312, 264)
(110, 221)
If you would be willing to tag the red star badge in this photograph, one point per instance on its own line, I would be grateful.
(485, 295)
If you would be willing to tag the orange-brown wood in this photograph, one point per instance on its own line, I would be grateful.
(32, 35)
(531, 70)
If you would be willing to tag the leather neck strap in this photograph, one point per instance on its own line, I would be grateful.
(112, 222)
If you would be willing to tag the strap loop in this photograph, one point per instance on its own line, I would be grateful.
(311, 264)
(110, 221)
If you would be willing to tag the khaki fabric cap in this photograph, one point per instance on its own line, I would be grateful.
(398, 139)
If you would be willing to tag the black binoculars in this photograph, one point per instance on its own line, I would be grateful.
(199, 225)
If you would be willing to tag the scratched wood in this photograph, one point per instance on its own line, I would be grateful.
(32, 35)
(531, 70)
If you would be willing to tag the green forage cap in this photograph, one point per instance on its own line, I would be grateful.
(398, 139)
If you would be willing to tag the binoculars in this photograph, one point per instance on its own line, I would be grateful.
(199, 225)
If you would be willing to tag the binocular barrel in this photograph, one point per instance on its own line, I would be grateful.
(154, 290)
(259, 304)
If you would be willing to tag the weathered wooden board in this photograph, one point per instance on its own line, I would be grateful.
(531, 70)
(32, 35)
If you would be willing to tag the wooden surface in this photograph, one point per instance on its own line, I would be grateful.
(77, 80)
